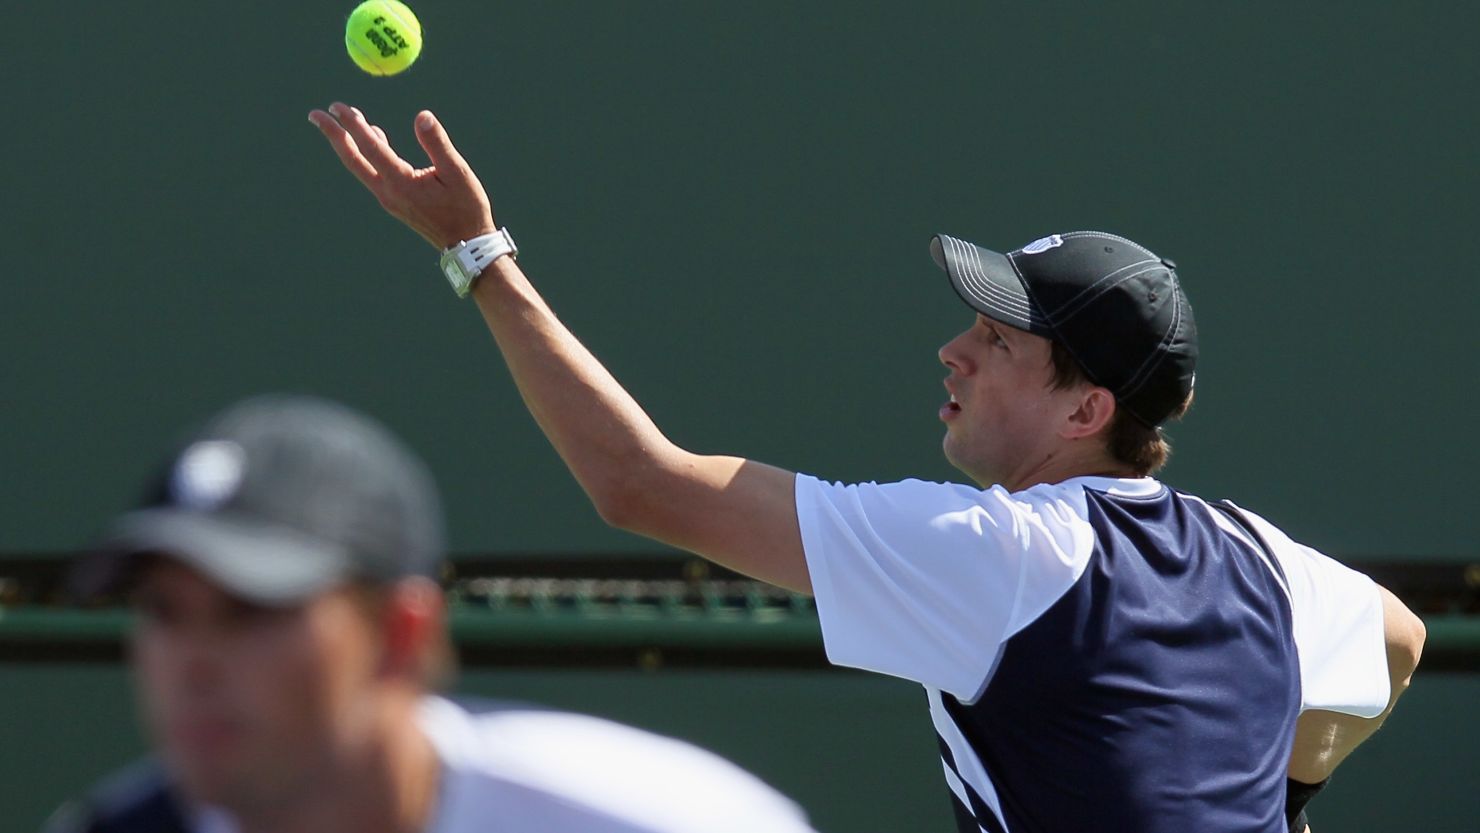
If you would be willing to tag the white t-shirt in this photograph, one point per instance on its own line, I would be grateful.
(534, 771)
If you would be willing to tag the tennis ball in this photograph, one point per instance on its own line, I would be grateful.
(383, 37)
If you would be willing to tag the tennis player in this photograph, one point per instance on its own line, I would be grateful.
(1099, 651)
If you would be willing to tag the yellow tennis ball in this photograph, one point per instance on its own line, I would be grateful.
(383, 37)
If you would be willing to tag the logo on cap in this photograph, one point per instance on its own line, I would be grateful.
(207, 474)
(1043, 244)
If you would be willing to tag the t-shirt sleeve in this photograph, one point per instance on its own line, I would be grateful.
(925, 581)
(1339, 630)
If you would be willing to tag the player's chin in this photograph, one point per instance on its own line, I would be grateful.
(209, 769)
(954, 447)
(206, 782)
(950, 447)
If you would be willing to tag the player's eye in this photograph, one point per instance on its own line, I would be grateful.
(244, 614)
(994, 337)
(155, 608)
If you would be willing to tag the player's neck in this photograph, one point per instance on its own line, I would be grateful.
(390, 787)
(1064, 463)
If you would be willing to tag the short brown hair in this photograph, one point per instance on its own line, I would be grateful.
(1130, 441)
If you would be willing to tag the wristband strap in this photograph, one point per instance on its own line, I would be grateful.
(1297, 795)
(463, 263)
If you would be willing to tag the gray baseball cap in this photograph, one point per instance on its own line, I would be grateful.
(279, 498)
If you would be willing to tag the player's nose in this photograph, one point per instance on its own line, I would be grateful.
(952, 356)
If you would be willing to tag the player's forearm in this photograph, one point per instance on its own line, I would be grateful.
(735, 512)
(603, 435)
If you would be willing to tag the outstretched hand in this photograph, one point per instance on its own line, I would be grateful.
(444, 203)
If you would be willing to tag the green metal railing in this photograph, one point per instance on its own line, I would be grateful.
(656, 610)
(29, 633)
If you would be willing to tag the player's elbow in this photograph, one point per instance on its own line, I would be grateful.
(616, 506)
(1405, 640)
(626, 485)
(647, 495)
(1410, 647)
(625, 500)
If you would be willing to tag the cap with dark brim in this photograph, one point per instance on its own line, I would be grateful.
(1114, 305)
(260, 562)
(988, 283)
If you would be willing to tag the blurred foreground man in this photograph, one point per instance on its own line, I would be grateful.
(290, 633)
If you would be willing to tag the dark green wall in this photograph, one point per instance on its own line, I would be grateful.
(731, 203)
(855, 749)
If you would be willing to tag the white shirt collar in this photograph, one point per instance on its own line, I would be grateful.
(1119, 486)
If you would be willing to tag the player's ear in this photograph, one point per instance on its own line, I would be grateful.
(1092, 414)
(414, 626)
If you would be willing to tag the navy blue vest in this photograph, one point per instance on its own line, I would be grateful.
(1159, 694)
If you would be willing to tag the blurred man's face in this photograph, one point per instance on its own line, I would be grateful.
(250, 706)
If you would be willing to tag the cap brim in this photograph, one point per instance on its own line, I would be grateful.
(988, 283)
(262, 563)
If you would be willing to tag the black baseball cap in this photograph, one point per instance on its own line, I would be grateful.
(278, 498)
(1117, 307)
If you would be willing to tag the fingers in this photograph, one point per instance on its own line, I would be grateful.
(438, 145)
(344, 147)
(443, 203)
(370, 140)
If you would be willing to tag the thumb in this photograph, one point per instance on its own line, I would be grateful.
(438, 146)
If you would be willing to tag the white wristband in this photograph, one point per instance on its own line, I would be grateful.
(464, 262)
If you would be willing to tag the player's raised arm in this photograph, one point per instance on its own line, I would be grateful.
(737, 512)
